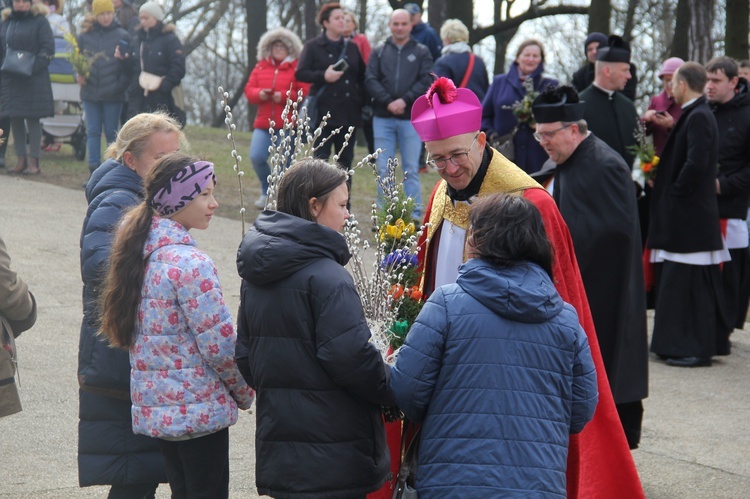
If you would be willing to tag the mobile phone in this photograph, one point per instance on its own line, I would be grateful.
(341, 65)
(661, 113)
(123, 44)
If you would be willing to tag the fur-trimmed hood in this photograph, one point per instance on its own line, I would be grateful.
(287, 37)
(36, 10)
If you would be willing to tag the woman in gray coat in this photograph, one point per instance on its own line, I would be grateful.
(26, 99)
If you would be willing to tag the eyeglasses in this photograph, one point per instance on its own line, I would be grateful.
(549, 135)
(458, 159)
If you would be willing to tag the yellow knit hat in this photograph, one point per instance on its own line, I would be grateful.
(102, 7)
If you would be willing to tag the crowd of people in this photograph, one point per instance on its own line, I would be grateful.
(134, 64)
(525, 370)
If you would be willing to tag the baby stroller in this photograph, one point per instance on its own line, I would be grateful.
(67, 125)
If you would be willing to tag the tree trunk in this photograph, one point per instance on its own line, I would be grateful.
(436, 10)
(599, 13)
(256, 13)
(701, 21)
(362, 16)
(462, 10)
(680, 42)
(502, 40)
(311, 11)
(736, 34)
(627, 32)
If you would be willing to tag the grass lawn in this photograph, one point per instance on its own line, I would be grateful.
(61, 168)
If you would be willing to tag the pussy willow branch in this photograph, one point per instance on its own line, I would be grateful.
(237, 158)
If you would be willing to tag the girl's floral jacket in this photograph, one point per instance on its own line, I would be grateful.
(184, 378)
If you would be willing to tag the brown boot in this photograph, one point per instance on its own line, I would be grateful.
(20, 166)
(33, 168)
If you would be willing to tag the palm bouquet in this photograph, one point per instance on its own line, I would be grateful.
(387, 287)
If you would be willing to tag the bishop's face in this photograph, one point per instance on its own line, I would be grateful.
(457, 158)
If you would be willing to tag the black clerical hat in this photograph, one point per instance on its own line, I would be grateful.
(616, 50)
(558, 104)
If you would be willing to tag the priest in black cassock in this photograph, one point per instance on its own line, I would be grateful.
(610, 115)
(592, 187)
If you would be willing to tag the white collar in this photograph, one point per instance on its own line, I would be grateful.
(609, 92)
(688, 103)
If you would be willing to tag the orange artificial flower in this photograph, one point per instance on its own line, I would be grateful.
(647, 167)
(397, 291)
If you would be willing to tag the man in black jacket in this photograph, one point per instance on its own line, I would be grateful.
(684, 235)
(593, 189)
(398, 72)
(729, 99)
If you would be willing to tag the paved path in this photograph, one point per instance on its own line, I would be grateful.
(696, 441)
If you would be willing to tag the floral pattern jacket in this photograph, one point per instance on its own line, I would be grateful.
(183, 377)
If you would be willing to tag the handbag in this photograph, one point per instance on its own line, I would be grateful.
(505, 145)
(405, 483)
(149, 82)
(18, 62)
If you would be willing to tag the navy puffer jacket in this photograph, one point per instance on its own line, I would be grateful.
(303, 344)
(499, 372)
(109, 453)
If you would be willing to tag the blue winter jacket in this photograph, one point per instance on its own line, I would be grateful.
(499, 372)
(505, 90)
(108, 451)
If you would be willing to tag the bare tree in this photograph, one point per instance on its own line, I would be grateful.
(600, 12)
(694, 38)
(736, 30)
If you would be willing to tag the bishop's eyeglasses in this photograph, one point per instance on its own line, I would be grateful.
(458, 159)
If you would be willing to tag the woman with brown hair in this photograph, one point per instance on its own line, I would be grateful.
(162, 301)
(338, 91)
(303, 344)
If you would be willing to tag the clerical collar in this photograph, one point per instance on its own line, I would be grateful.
(691, 101)
(476, 183)
(610, 93)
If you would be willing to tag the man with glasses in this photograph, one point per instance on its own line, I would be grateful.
(593, 189)
(448, 120)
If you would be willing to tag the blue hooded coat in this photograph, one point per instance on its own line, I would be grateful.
(109, 453)
(499, 372)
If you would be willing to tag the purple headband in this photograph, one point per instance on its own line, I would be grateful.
(183, 187)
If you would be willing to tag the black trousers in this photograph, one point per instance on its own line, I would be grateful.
(735, 275)
(136, 491)
(198, 468)
(687, 314)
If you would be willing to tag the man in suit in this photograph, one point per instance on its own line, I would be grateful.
(684, 236)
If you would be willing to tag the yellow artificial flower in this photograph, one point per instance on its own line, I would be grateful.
(655, 161)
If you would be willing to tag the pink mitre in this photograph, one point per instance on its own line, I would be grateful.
(446, 111)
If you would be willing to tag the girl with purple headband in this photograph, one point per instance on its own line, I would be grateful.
(163, 302)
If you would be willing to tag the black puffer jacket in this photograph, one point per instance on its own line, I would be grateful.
(109, 452)
(733, 119)
(302, 343)
(163, 55)
(22, 96)
(109, 77)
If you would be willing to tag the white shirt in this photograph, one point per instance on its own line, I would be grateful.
(450, 253)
